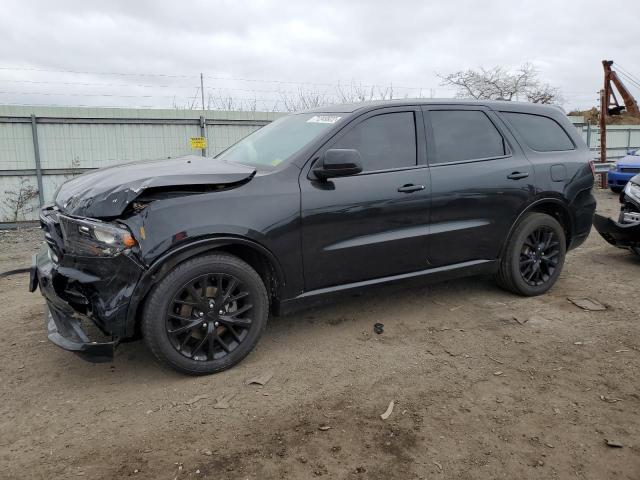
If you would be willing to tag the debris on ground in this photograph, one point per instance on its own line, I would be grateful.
(197, 398)
(324, 428)
(520, 320)
(587, 303)
(604, 398)
(223, 402)
(388, 412)
(261, 379)
(614, 443)
(378, 328)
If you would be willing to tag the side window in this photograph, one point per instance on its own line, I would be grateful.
(465, 135)
(540, 133)
(384, 141)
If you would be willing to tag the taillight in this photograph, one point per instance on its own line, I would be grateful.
(593, 168)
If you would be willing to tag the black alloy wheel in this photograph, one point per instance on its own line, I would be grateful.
(209, 317)
(533, 256)
(539, 256)
(206, 314)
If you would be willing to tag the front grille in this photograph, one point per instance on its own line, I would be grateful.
(52, 232)
(630, 169)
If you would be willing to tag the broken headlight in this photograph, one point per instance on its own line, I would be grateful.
(93, 238)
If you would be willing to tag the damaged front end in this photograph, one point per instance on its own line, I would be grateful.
(625, 233)
(87, 272)
(94, 256)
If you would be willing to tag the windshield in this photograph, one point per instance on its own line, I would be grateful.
(274, 143)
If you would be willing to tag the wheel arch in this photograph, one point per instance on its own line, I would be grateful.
(256, 255)
(554, 207)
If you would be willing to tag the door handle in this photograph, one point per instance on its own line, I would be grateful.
(410, 187)
(518, 175)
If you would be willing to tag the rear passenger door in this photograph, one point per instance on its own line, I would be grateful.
(480, 182)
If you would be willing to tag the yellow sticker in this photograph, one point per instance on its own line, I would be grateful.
(198, 143)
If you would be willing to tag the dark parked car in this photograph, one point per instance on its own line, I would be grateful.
(625, 233)
(194, 253)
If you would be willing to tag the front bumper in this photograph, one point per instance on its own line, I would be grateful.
(79, 301)
(621, 235)
(617, 179)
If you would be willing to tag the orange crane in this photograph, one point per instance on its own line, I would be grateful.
(609, 104)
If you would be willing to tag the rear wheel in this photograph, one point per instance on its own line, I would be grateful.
(534, 256)
(616, 189)
(206, 315)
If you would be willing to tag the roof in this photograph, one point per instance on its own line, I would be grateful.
(493, 104)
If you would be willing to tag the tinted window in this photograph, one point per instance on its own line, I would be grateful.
(465, 135)
(384, 141)
(540, 133)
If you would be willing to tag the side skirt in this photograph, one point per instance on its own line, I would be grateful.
(431, 275)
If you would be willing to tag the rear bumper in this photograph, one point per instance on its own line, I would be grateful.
(64, 323)
(621, 235)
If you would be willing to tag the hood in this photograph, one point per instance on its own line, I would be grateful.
(108, 191)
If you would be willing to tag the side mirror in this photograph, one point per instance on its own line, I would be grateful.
(338, 162)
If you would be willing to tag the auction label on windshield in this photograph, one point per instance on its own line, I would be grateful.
(324, 119)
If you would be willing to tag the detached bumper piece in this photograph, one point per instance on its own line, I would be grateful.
(67, 333)
(64, 324)
(621, 235)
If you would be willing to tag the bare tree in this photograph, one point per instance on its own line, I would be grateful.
(19, 201)
(544, 93)
(499, 84)
(304, 100)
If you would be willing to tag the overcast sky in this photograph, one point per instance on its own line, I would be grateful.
(150, 53)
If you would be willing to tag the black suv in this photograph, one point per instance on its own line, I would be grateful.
(193, 253)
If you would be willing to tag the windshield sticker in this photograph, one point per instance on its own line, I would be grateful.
(324, 119)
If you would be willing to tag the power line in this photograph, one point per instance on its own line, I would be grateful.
(633, 82)
(35, 69)
(622, 69)
(208, 76)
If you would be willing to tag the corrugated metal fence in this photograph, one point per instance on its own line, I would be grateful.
(41, 147)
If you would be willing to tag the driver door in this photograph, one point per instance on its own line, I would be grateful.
(373, 224)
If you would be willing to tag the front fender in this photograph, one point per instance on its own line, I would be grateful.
(165, 262)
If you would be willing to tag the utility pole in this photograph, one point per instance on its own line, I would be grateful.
(203, 120)
(202, 89)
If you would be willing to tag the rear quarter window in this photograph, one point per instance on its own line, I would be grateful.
(540, 133)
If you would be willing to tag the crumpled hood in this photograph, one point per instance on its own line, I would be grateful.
(108, 191)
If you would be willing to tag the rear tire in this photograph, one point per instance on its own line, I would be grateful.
(206, 315)
(534, 256)
(616, 189)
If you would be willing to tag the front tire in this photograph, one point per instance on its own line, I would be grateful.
(206, 315)
(534, 256)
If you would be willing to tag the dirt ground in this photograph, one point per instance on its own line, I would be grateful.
(485, 385)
